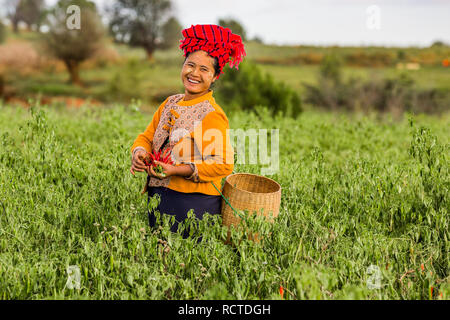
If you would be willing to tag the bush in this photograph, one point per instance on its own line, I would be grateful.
(20, 58)
(235, 26)
(330, 68)
(103, 57)
(247, 88)
(126, 83)
(395, 95)
(2, 32)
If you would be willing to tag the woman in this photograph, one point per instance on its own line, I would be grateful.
(193, 128)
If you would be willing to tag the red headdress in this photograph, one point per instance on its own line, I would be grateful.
(219, 42)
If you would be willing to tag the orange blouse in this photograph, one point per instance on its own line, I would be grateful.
(197, 134)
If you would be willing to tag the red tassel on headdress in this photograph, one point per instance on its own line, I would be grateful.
(238, 51)
(219, 42)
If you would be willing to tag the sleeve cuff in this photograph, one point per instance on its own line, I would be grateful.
(194, 176)
(138, 148)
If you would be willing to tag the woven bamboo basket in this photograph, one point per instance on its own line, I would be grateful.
(245, 191)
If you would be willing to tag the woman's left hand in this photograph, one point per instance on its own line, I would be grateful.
(168, 169)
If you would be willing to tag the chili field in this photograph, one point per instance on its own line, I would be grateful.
(364, 212)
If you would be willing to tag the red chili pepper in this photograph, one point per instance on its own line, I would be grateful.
(164, 157)
(281, 292)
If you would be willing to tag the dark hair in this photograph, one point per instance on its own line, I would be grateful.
(215, 63)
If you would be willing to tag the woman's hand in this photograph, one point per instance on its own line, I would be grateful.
(137, 163)
(168, 170)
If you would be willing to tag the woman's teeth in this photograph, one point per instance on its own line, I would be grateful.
(193, 81)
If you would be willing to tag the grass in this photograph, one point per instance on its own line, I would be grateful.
(357, 191)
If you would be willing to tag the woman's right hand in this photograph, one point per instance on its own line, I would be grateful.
(137, 163)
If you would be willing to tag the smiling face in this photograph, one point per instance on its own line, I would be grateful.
(198, 74)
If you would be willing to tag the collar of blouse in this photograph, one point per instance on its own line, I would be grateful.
(206, 96)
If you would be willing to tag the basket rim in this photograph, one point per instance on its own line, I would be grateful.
(252, 174)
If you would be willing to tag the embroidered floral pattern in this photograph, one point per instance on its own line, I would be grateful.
(177, 122)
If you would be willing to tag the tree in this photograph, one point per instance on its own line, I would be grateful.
(171, 33)
(30, 12)
(73, 46)
(139, 23)
(10, 7)
(235, 26)
(258, 39)
(27, 11)
(438, 44)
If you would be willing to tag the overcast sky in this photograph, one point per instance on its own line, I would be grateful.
(326, 22)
